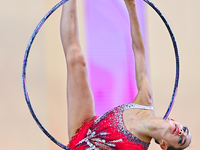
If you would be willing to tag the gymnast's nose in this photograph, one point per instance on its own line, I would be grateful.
(181, 132)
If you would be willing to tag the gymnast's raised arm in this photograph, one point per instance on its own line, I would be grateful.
(144, 96)
(80, 102)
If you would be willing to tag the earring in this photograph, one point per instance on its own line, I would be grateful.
(171, 119)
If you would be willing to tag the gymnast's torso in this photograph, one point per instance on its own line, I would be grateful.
(108, 132)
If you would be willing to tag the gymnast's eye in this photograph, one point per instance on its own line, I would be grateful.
(180, 140)
(184, 129)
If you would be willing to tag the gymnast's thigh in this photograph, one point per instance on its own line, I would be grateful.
(79, 95)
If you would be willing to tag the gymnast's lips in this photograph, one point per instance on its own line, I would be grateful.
(176, 130)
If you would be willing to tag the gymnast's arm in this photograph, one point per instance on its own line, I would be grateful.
(144, 96)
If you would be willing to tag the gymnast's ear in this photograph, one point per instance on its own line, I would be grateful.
(163, 145)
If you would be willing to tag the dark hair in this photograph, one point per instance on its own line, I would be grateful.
(170, 147)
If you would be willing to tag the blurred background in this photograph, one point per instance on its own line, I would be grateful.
(105, 40)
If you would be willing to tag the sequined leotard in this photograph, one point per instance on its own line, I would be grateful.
(108, 132)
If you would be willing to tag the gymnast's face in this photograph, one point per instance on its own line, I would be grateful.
(176, 135)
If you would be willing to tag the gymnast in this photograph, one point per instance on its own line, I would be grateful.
(128, 126)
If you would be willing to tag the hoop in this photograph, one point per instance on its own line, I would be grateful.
(31, 42)
(24, 74)
(176, 56)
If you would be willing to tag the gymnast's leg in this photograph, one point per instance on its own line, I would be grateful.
(79, 95)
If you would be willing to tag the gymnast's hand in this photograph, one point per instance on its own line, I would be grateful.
(129, 3)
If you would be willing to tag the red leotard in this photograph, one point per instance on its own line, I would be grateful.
(108, 132)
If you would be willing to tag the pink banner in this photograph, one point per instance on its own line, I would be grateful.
(110, 54)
